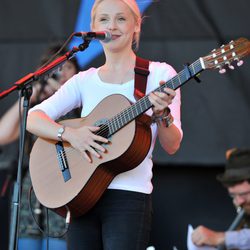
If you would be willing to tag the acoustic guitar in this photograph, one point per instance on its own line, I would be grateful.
(64, 181)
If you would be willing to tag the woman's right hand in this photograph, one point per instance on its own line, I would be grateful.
(85, 141)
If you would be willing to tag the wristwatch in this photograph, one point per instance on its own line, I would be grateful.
(60, 133)
(166, 119)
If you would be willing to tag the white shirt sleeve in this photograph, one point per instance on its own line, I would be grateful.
(64, 100)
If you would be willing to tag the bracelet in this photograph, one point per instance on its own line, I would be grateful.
(60, 133)
(166, 119)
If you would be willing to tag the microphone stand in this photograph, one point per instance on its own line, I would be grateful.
(234, 225)
(26, 92)
(24, 85)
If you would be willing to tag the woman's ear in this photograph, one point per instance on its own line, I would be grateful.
(137, 27)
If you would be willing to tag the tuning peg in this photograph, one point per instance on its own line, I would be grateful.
(230, 66)
(239, 63)
(222, 71)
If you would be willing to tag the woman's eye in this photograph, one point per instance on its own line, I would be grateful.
(121, 19)
(103, 19)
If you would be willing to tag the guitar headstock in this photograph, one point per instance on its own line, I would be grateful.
(227, 55)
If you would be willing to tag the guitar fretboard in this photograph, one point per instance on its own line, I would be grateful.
(143, 104)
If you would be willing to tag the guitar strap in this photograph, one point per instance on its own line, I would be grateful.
(141, 76)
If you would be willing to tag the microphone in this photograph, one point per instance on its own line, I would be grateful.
(103, 36)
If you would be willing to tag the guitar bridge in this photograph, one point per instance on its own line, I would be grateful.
(62, 160)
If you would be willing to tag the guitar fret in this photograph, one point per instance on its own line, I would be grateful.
(175, 80)
(183, 76)
(113, 125)
(127, 116)
(140, 106)
(111, 130)
(172, 83)
(179, 79)
(123, 119)
(129, 113)
(192, 68)
(147, 103)
(135, 111)
(119, 121)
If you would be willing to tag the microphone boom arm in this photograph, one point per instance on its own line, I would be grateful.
(46, 70)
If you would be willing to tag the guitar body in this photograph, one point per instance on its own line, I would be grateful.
(126, 150)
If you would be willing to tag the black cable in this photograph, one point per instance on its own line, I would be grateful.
(53, 57)
(46, 233)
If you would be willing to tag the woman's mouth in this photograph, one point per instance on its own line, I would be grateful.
(114, 37)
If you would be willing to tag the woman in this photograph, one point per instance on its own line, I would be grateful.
(121, 218)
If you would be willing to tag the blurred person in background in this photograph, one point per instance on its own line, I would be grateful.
(236, 179)
(30, 236)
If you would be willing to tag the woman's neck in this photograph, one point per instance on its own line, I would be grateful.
(120, 61)
(118, 68)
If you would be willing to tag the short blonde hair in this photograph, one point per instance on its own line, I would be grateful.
(135, 11)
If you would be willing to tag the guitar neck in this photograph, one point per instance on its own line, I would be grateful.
(142, 105)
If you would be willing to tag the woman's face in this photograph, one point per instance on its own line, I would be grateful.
(67, 71)
(117, 18)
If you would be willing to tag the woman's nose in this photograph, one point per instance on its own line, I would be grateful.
(112, 25)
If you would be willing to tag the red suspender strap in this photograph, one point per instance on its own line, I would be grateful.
(141, 76)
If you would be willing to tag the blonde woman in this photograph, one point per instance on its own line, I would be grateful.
(121, 219)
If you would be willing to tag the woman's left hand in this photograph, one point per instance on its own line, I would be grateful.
(161, 100)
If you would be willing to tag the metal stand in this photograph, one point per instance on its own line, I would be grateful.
(26, 93)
